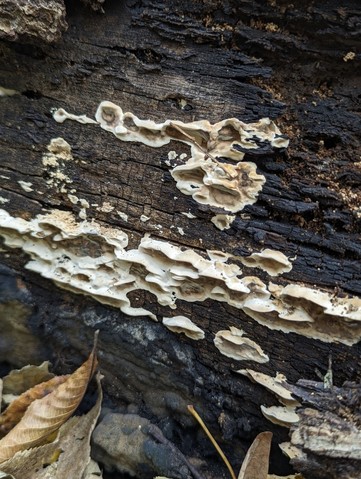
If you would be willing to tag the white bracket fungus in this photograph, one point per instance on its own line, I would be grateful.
(234, 345)
(209, 181)
(292, 452)
(310, 312)
(283, 416)
(269, 260)
(26, 185)
(226, 186)
(182, 324)
(89, 259)
(60, 115)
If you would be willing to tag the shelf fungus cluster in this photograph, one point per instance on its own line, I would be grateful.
(214, 174)
(87, 258)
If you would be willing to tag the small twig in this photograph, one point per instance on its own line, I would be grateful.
(213, 441)
(157, 434)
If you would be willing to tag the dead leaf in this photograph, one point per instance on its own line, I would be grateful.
(46, 415)
(76, 444)
(16, 409)
(20, 380)
(256, 462)
(73, 444)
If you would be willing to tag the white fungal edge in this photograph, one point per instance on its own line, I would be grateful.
(203, 177)
(285, 416)
(233, 344)
(269, 260)
(8, 92)
(182, 324)
(25, 185)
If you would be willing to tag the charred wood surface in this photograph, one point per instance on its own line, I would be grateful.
(189, 61)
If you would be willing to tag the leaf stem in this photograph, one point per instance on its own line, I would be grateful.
(211, 438)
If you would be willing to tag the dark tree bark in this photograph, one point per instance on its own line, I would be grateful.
(296, 64)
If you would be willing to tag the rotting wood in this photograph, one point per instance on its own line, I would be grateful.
(189, 61)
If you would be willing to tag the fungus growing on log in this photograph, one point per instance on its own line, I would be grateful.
(222, 222)
(225, 185)
(274, 385)
(90, 259)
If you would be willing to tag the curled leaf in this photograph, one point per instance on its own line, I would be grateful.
(15, 411)
(66, 457)
(256, 462)
(46, 415)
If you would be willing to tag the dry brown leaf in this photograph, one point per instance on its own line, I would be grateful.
(20, 380)
(255, 464)
(15, 411)
(46, 415)
(70, 450)
(76, 445)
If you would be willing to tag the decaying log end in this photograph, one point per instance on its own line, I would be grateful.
(326, 440)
